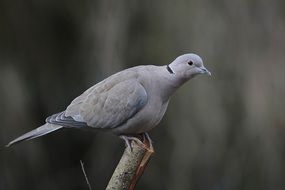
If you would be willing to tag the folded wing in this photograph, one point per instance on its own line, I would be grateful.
(108, 104)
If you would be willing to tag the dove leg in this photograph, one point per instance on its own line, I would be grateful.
(146, 135)
(127, 140)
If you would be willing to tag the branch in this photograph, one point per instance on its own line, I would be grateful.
(131, 166)
(85, 175)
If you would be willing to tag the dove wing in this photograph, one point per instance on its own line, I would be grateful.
(110, 103)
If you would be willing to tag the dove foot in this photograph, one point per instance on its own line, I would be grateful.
(145, 137)
(127, 140)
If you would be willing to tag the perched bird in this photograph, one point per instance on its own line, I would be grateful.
(130, 102)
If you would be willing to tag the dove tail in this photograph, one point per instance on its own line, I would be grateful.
(40, 131)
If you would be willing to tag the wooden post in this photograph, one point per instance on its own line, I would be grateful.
(131, 166)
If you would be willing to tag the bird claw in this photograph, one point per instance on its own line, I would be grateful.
(127, 140)
(145, 136)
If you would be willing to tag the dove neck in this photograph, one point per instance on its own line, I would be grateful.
(169, 84)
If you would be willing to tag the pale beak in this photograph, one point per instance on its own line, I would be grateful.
(205, 71)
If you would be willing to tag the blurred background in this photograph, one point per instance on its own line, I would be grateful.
(221, 132)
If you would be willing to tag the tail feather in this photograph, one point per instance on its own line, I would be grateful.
(40, 131)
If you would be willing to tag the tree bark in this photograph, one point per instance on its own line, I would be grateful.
(131, 166)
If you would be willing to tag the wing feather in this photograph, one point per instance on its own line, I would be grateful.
(110, 103)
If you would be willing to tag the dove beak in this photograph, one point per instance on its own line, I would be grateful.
(205, 71)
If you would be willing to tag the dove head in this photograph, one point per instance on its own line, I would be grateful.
(187, 66)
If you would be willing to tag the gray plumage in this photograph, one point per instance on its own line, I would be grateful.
(38, 132)
(132, 101)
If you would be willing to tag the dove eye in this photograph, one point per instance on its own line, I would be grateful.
(190, 63)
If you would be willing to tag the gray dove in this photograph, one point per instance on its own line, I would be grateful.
(128, 103)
